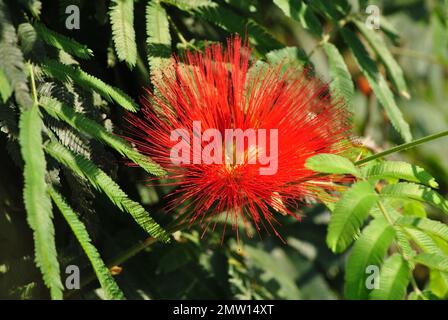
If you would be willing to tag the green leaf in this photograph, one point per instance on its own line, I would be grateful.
(229, 21)
(34, 6)
(158, 38)
(379, 46)
(9, 125)
(331, 163)
(394, 279)
(433, 261)
(416, 192)
(390, 31)
(403, 242)
(369, 250)
(378, 83)
(423, 240)
(101, 181)
(86, 126)
(414, 208)
(435, 227)
(122, 20)
(349, 215)
(438, 283)
(66, 73)
(107, 282)
(5, 87)
(299, 11)
(385, 205)
(439, 34)
(30, 42)
(328, 8)
(424, 295)
(276, 266)
(341, 79)
(187, 5)
(399, 170)
(62, 42)
(11, 61)
(289, 56)
(37, 201)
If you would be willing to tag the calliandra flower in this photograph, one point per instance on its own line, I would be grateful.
(220, 89)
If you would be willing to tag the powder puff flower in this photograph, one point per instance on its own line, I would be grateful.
(234, 137)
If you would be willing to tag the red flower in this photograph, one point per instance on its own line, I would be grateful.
(218, 90)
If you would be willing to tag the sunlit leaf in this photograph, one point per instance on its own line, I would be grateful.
(349, 214)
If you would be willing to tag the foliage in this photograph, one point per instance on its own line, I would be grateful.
(64, 94)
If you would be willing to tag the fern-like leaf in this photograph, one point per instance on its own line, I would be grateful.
(368, 250)
(435, 227)
(37, 200)
(294, 56)
(393, 68)
(5, 87)
(301, 12)
(341, 83)
(331, 163)
(12, 59)
(349, 215)
(83, 124)
(123, 34)
(66, 73)
(31, 44)
(158, 38)
(62, 42)
(229, 21)
(34, 6)
(400, 170)
(107, 282)
(378, 83)
(394, 279)
(403, 241)
(423, 240)
(433, 261)
(101, 181)
(416, 192)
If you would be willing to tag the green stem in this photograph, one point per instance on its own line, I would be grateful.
(416, 289)
(385, 214)
(143, 72)
(179, 34)
(401, 251)
(402, 147)
(416, 55)
(326, 37)
(33, 84)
